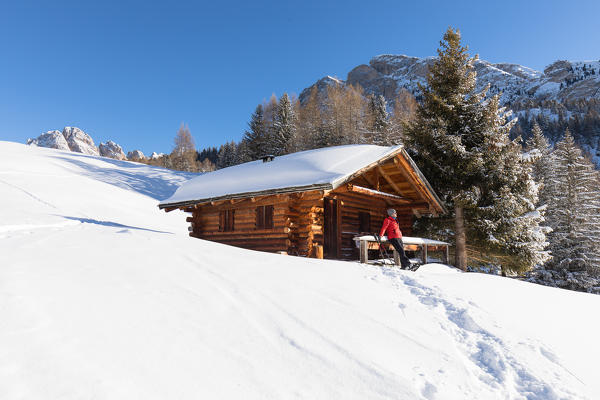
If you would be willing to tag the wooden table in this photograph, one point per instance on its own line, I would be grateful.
(368, 242)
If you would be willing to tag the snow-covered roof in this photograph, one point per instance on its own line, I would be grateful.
(325, 168)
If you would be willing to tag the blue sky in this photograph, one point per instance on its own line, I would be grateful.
(134, 71)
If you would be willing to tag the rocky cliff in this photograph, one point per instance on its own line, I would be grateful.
(560, 81)
(111, 150)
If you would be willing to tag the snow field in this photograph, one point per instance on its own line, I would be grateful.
(102, 296)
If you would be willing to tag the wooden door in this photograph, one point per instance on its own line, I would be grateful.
(331, 230)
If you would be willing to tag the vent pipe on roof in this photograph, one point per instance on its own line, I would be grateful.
(268, 158)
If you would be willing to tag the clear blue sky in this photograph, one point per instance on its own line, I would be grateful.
(134, 71)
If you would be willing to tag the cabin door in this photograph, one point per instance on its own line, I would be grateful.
(331, 230)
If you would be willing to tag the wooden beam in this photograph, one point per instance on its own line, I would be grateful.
(373, 193)
(407, 176)
(368, 179)
(389, 180)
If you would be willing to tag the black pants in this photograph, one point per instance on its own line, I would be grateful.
(399, 246)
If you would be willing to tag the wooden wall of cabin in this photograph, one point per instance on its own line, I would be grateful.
(352, 205)
(298, 222)
(205, 224)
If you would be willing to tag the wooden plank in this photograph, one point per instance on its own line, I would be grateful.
(396, 257)
(386, 196)
(390, 181)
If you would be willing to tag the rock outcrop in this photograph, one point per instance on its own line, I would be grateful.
(112, 150)
(50, 139)
(71, 138)
(136, 155)
(79, 141)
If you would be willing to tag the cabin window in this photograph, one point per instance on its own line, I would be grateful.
(226, 220)
(364, 222)
(264, 217)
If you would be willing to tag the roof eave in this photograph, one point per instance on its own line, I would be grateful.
(292, 189)
(412, 163)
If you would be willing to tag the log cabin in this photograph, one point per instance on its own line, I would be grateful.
(307, 202)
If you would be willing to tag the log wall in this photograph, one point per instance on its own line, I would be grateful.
(298, 222)
(352, 204)
(205, 224)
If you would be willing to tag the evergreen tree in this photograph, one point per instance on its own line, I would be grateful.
(227, 155)
(270, 144)
(379, 121)
(460, 141)
(242, 152)
(538, 150)
(256, 135)
(284, 127)
(210, 153)
(573, 209)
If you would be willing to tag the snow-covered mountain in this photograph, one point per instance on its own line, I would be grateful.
(104, 296)
(560, 81)
(74, 139)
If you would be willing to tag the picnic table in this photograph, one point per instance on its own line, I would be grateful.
(368, 242)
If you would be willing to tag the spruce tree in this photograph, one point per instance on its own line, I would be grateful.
(573, 209)
(227, 155)
(379, 121)
(256, 135)
(538, 149)
(284, 127)
(242, 152)
(460, 141)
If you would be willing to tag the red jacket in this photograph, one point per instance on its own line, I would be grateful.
(390, 228)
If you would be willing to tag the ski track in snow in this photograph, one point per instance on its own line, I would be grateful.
(486, 350)
(29, 194)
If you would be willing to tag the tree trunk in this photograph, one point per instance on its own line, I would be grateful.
(461, 238)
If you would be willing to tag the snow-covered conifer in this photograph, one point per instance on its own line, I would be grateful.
(226, 156)
(379, 120)
(573, 209)
(242, 152)
(460, 141)
(538, 150)
(256, 135)
(284, 127)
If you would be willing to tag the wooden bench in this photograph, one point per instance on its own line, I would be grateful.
(368, 242)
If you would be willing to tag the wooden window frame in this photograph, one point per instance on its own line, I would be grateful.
(264, 217)
(226, 220)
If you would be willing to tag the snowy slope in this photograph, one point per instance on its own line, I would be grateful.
(104, 297)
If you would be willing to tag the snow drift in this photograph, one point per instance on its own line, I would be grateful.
(102, 296)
